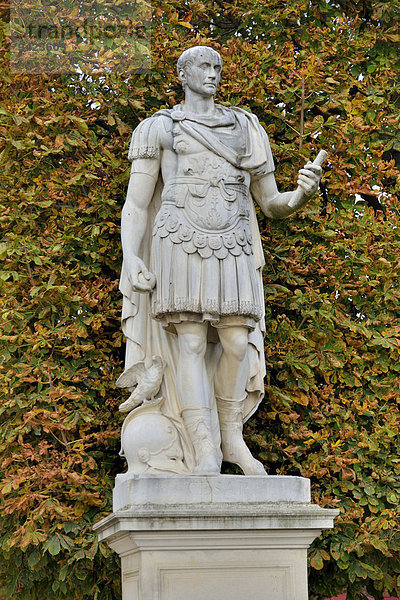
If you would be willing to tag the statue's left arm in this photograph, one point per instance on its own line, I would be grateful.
(275, 204)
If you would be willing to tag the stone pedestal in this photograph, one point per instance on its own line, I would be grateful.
(213, 538)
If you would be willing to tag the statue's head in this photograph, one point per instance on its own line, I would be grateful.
(151, 444)
(199, 69)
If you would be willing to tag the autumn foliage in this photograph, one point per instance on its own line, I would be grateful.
(318, 75)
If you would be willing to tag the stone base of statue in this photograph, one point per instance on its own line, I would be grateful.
(224, 537)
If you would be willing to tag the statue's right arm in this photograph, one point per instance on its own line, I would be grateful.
(134, 217)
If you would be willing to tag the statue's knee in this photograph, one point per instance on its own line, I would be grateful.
(240, 350)
(192, 345)
(237, 346)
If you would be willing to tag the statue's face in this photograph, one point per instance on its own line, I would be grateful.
(169, 461)
(203, 75)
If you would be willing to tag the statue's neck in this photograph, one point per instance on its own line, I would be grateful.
(198, 105)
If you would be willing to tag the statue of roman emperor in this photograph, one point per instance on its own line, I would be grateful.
(191, 278)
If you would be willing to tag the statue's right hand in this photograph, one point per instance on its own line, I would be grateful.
(139, 276)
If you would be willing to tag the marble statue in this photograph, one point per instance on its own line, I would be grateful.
(193, 304)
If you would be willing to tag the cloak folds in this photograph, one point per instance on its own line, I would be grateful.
(145, 336)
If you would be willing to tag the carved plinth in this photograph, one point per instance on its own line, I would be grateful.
(224, 537)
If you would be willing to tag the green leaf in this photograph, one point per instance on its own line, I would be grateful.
(316, 561)
(33, 558)
(53, 545)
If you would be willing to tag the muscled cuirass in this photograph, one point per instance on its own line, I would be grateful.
(205, 204)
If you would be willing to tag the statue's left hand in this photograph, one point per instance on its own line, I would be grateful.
(309, 178)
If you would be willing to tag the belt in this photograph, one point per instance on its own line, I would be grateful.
(199, 188)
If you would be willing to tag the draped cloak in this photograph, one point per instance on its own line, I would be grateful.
(145, 336)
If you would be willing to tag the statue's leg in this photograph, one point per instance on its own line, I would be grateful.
(195, 395)
(230, 388)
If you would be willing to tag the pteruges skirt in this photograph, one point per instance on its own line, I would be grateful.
(222, 291)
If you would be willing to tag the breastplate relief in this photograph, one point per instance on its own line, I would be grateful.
(205, 207)
(212, 193)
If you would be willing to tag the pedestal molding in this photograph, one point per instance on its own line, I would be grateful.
(228, 549)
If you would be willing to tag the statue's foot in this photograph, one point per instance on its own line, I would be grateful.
(207, 465)
(234, 449)
(239, 454)
(197, 422)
